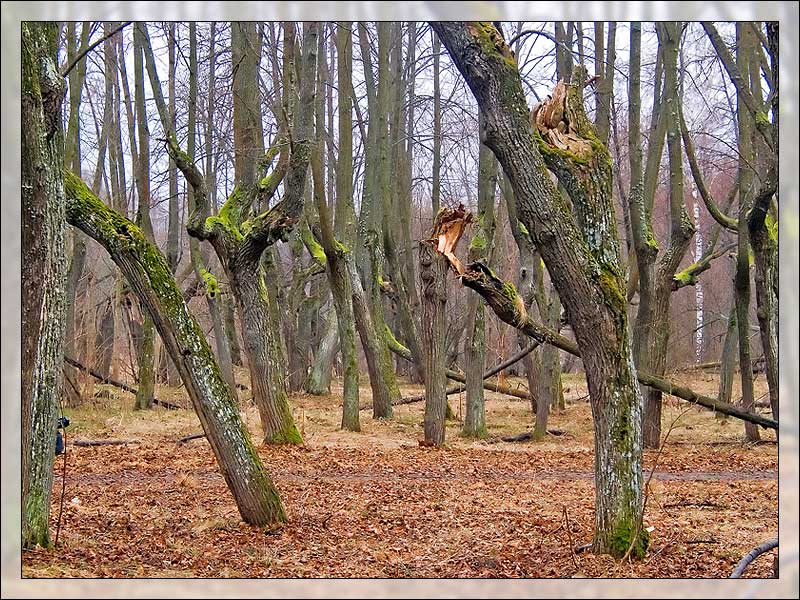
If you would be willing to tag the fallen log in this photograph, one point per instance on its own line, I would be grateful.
(757, 365)
(83, 443)
(405, 353)
(525, 436)
(117, 384)
(189, 438)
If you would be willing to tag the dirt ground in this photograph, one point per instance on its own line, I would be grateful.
(376, 504)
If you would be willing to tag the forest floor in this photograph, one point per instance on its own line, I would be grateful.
(377, 504)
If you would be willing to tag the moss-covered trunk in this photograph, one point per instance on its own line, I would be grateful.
(580, 254)
(765, 252)
(266, 374)
(150, 279)
(43, 272)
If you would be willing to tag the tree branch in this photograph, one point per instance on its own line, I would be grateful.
(504, 300)
(753, 105)
(86, 51)
(724, 220)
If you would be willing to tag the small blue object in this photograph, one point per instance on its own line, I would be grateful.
(62, 422)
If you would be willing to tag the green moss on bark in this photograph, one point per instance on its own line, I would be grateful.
(289, 435)
(622, 537)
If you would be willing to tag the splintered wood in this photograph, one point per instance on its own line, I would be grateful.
(448, 227)
(551, 120)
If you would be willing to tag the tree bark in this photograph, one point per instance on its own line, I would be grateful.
(43, 272)
(433, 294)
(480, 248)
(149, 276)
(742, 278)
(582, 259)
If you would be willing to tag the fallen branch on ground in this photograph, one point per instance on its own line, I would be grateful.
(528, 435)
(405, 353)
(104, 442)
(189, 438)
(117, 384)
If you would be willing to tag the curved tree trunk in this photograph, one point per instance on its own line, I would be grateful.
(149, 276)
(582, 258)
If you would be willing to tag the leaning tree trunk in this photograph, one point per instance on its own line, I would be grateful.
(240, 248)
(580, 254)
(149, 277)
(43, 272)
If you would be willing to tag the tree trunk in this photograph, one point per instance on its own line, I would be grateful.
(433, 294)
(319, 379)
(337, 255)
(229, 318)
(437, 126)
(549, 392)
(727, 368)
(149, 276)
(146, 350)
(43, 272)
(172, 204)
(480, 248)
(744, 44)
(529, 276)
(581, 257)
(72, 160)
(682, 230)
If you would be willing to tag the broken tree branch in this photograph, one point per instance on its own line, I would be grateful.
(504, 300)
